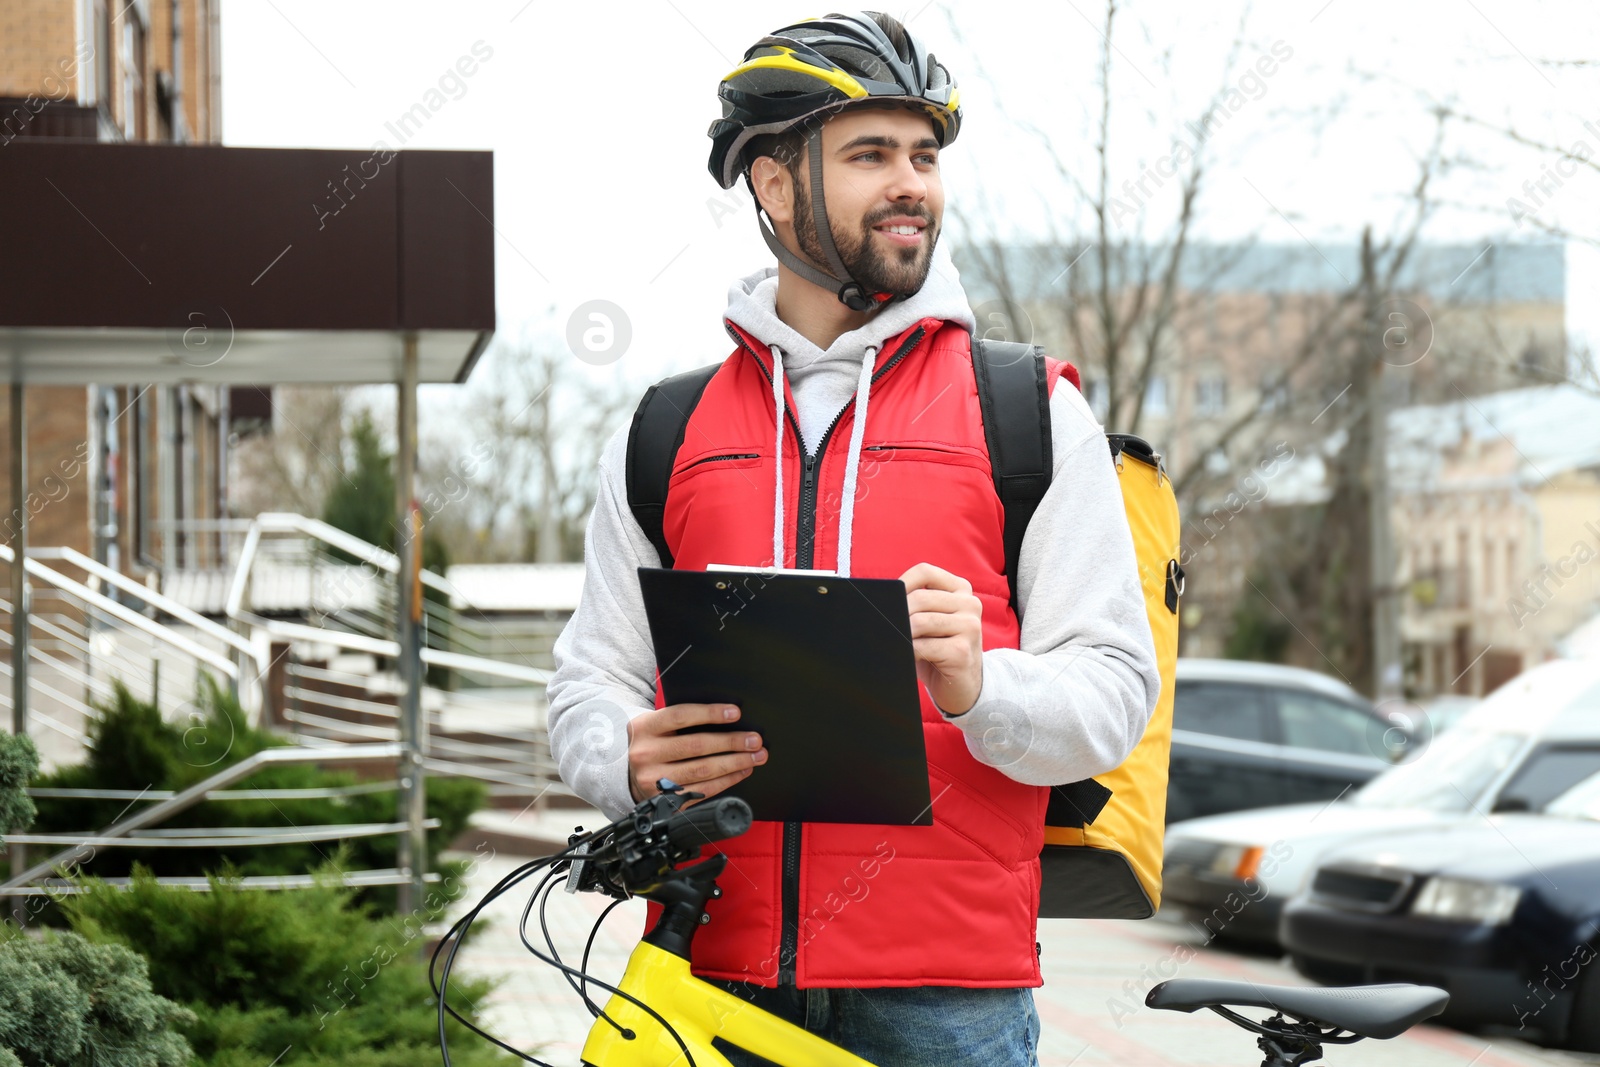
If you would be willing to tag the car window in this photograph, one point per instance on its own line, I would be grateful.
(1545, 775)
(1582, 801)
(1450, 775)
(1310, 720)
(1223, 709)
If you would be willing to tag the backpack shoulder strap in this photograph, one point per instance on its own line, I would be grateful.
(1014, 396)
(659, 423)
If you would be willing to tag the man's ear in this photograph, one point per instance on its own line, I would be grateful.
(774, 189)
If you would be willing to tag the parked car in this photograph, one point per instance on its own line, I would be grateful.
(1444, 711)
(1254, 735)
(1501, 911)
(1530, 740)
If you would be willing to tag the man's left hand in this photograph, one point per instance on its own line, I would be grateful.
(947, 635)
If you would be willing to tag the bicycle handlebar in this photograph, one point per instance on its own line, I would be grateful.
(636, 853)
(710, 820)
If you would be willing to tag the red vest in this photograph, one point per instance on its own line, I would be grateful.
(954, 903)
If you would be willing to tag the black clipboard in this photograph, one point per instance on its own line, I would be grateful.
(822, 667)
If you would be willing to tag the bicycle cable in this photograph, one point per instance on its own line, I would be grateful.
(460, 927)
(584, 966)
(440, 985)
(541, 896)
(641, 1005)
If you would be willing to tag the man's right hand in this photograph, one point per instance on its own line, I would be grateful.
(706, 762)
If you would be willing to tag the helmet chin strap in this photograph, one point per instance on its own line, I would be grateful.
(850, 292)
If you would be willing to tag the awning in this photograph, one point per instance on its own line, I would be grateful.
(149, 263)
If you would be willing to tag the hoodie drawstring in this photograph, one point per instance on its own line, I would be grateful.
(852, 464)
(777, 452)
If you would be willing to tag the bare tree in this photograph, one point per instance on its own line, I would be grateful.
(293, 467)
(521, 483)
(1132, 314)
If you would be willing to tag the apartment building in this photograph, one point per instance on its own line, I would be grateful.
(1477, 321)
(1496, 513)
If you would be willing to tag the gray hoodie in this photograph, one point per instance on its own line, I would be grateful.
(1070, 703)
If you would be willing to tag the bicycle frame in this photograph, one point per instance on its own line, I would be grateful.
(658, 975)
(698, 1011)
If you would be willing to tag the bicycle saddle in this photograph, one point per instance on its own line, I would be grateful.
(1380, 1011)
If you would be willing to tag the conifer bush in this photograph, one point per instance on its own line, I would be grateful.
(68, 1002)
(302, 973)
(19, 762)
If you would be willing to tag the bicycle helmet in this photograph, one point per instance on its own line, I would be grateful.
(806, 72)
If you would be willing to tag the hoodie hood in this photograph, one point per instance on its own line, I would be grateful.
(752, 303)
(821, 374)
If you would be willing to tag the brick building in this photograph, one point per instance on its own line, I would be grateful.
(110, 469)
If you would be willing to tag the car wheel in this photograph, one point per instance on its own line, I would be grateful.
(1583, 1032)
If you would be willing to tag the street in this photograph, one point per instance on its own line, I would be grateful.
(1091, 1007)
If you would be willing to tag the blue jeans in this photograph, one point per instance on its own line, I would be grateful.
(950, 1026)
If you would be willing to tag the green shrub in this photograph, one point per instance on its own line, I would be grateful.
(132, 747)
(265, 971)
(67, 1002)
(19, 761)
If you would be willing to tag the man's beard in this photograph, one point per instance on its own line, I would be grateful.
(898, 270)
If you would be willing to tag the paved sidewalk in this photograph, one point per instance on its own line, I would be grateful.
(1088, 1018)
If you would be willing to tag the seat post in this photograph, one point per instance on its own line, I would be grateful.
(1303, 1051)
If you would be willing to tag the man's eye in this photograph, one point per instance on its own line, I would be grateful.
(864, 155)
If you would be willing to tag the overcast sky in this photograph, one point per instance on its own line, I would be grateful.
(597, 115)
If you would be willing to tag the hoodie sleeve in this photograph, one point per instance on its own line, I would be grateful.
(1074, 699)
(605, 665)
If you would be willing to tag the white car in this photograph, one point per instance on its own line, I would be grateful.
(1537, 735)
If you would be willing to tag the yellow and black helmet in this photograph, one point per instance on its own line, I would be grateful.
(818, 66)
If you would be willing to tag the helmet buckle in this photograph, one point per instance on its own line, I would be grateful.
(854, 297)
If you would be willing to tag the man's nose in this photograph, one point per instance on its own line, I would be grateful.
(907, 181)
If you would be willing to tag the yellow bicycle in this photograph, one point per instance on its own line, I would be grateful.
(661, 1015)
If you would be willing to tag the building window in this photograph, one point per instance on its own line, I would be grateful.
(1210, 395)
(102, 58)
(1274, 393)
(1155, 397)
(142, 473)
(132, 76)
(1531, 362)
(1488, 567)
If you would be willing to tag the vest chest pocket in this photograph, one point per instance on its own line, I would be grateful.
(947, 462)
(720, 461)
(924, 452)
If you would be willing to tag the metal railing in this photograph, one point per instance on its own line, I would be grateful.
(492, 730)
(138, 830)
(333, 683)
(83, 642)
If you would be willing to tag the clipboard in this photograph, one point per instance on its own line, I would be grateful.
(822, 667)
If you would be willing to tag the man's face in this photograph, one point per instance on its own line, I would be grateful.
(880, 170)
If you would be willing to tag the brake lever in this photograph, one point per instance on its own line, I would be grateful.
(648, 817)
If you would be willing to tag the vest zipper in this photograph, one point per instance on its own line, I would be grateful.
(805, 534)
